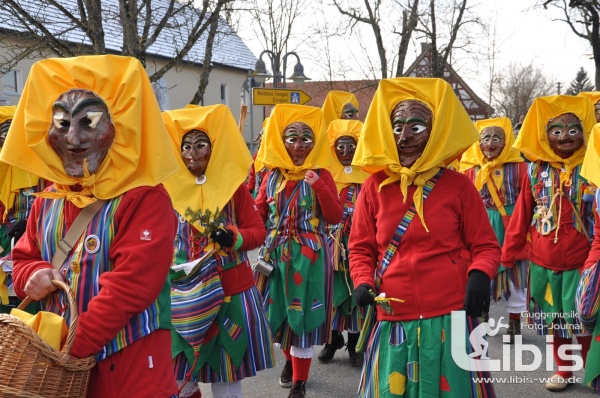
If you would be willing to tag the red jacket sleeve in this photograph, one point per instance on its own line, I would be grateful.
(26, 255)
(140, 271)
(363, 239)
(249, 222)
(261, 199)
(515, 237)
(329, 200)
(478, 237)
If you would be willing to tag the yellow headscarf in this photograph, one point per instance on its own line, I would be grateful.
(334, 104)
(272, 152)
(340, 128)
(140, 154)
(7, 113)
(594, 96)
(590, 169)
(12, 179)
(452, 132)
(474, 157)
(533, 141)
(258, 165)
(228, 165)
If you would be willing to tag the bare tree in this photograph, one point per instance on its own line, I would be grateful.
(517, 87)
(372, 17)
(409, 24)
(583, 17)
(444, 25)
(275, 23)
(63, 28)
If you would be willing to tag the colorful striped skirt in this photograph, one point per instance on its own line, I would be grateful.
(298, 296)
(238, 345)
(413, 359)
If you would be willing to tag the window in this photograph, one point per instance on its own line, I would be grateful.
(11, 80)
(224, 93)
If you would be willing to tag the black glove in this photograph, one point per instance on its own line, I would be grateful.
(477, 298)
(17, 230)
(222, 236)
(364, 295)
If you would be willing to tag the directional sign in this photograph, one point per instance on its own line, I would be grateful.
(274, 96)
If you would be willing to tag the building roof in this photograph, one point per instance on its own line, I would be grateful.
(476, 107)
(228, 50)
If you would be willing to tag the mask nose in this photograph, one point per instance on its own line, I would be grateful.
(73, 136)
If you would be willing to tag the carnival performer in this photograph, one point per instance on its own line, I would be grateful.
(556, 200)
(496, 169)
(411, 222)
(343, 137)
(238, 341)
(588, 291)
(92, 125)
(297, 199)
(339, 105)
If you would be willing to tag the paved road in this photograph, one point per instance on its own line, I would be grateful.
(338, 380)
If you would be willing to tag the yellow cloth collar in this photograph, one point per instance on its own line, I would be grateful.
(229, 161)
(272, 152)
(339, 128)
(452, 132)
(334, 104)
(140, 154)
(474, 157)
(533, 141)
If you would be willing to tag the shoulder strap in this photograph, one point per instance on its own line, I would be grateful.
(495, 197)
(401, 229)
(65, 246)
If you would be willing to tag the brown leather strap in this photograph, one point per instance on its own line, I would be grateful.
(65, 246)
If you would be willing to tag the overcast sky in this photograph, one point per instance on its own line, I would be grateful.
(525, 35)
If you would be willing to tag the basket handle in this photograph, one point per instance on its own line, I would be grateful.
(66, 349)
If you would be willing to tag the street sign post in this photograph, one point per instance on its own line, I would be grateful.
(274, 96)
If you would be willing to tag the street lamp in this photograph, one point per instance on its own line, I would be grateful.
(260, 73)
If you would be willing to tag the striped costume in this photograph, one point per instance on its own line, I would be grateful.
(298, 293)
(347, 315)
(236, 339)
(553, 292)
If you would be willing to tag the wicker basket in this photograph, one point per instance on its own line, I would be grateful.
(30, 368)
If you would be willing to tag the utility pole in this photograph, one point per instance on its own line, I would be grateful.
(558, 87)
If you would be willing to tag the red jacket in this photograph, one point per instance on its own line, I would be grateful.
(569, 252)
(427, 270)
(141, 267)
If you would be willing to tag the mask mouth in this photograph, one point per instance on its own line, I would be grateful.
(77, 151)
(409, 148)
